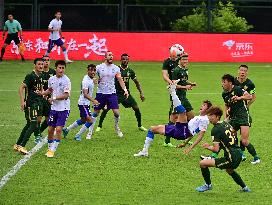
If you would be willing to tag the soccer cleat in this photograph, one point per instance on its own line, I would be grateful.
(98, 129)
(142, 153)
(22, 150)
(243, 157)
(68, 61)
(89, 136)
(245, 189)
(256, 160)
(119, 132)
(142, 128)
(202, 157)
(78, 138)
(16, 147)
(65, 132)
(37, 139)
(50, 153)
(169, 145)
(204, 187)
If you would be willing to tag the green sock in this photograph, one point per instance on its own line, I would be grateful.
(44, 125)
(206, 175)
(37, 132)
(214, 154)
(33, 126)
(167, 139)
(236, 177)
(20, 139)
(242, 147)
(251, 150)
(138, 116)
(102, 117)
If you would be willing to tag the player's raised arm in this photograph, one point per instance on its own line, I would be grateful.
(196, 142)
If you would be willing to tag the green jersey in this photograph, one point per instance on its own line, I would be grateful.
(12, 27)
(126, 74)
(169, 65)
(46, 76)
(237, 108)
(182, 74)
(247, 85)
(33, 83)
(226, 136)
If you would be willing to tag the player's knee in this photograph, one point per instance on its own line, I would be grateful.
(58, 131)
(245, 142)
(229, 171)
(81, 121)
(202, 164)
(63, 48)
(117, 115)
(180, 109)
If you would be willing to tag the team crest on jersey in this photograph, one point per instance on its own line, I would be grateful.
(245, 87)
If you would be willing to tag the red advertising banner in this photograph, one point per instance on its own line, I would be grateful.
(150, 46)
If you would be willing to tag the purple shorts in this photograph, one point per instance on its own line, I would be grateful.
(58, 118)
(178, 131)
(84, 110)
(52, 43)
(110, 100)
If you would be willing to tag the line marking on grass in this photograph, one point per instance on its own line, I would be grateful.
(21, 163)
(8, 125)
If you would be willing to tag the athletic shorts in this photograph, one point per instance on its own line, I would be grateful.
(109, 100)
(186, 104)
(227, 163)
(177, 131)
(46, 108)
(126, 102)
(58, 118)
(52, 43)
(84, 110)
(237, 122)
(32, 112)
(12, 37)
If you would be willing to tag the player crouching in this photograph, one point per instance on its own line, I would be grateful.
(182, 130)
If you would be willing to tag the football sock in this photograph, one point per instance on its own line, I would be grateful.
(149, 139)
(214, 154)
(236, 177)
(47, 53)
(102, 117)
(206, 175)
(20, 139)
(251, 149)
(37, 132)
(55, 145)
(84, 128)
(242, 146)
(65, 54)
(116, 119)
(33, 126)
(177, 104)
(167, 139)
(75, 124)
(138, 116)
(50, 143)
(44, 125)
(2, 52)
(92, 126)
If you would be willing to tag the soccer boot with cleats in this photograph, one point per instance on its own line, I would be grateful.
(16, 147)
(78, 138)
(22, 150)
(142, 128)
(256, 160)
(169, 145)
(142, 153)
(65, 132)
(245, 189)
(204, 187)
(98, 129)
(50, 153)
(119, 132)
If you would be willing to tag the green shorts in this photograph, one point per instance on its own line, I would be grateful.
(46, 108)
(186, 104)
(33, 111)
(126, 102)
(237, 122)
(227, 163)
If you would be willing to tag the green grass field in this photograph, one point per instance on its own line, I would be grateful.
(104, 171)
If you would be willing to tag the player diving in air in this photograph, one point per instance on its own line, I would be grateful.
(182, 129)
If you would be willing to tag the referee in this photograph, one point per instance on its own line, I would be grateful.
(13, 27)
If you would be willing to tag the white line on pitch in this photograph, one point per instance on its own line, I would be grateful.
(21, 163)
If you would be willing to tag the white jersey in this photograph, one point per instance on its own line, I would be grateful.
(60, 86)
(106, 82)
(87, 83)
(55, 24)
(198, 123)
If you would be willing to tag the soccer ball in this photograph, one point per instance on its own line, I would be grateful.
(176, 51)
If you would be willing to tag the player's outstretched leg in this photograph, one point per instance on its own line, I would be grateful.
(101, 119)
(74, 125)
(148, 141)
(90, 133)
(138, 116)
(236, 177)
(116, 123)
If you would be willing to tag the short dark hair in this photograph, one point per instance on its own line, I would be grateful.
(91, 66)
(10, 14)
(58, 11)
(37, 59)
(60, 62)
(244, 66)
(184, 55)
(209, 103)
(45, 57)
(228, 77)
(215, 110)
(124, 54)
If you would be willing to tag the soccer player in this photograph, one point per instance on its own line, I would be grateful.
(46, 74)
(224, 137)
(106, 92)
(246, 84)
(12, 26)
(31, 104)
(59, 86)
(55, 37)
(127, 73)
(86, 96)
(236, 110)
(183, 129)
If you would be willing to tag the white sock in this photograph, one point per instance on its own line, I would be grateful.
(50, 144)
(116, 121)
(73, 126)
(175, 99)
(65, 54)
(148, 142)
(82, 130)
(55, 145)
(92, 126)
